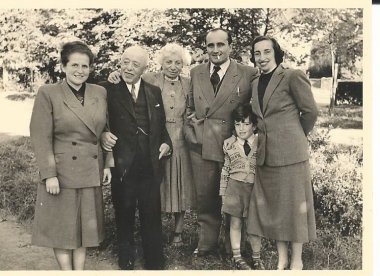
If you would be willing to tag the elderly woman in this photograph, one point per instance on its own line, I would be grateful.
(177, 192)
(67, 121)
(281, 206)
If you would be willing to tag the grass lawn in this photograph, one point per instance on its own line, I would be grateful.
(19, 177)
(345, 117)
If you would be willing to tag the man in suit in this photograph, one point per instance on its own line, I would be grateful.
(216, 89)
(139, 140)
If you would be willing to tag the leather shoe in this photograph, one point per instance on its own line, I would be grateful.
(126, 264)
(203, 253)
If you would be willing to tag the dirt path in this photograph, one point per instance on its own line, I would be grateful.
(16, 252)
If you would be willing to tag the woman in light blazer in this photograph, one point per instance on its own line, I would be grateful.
(67, 121)
(281, 206)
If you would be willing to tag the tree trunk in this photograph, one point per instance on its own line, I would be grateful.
(334, 72)
(5, 77)
(333, 88)
(31, 83)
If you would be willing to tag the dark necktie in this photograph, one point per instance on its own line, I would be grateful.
(246, 147)
(215, 79)
(133, 93)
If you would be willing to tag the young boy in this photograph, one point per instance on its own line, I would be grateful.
(238, 175)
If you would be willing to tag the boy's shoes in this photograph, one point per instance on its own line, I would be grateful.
(239, 264)
(257, 264)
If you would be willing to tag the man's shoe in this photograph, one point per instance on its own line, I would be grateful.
(258, 264)
(126, 264)
(239, 264)
(203, 253)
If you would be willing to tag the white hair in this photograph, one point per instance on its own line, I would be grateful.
(136, 49)
(173, 48)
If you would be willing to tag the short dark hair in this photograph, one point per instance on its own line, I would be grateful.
(229, 36)
(278, 52)
(241, 112)
(75, 47)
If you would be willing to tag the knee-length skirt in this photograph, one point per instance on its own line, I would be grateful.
(74, 218)
(281, 205)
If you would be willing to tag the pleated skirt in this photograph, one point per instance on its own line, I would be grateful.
(281, 205)
(74, 218)
(177, 187)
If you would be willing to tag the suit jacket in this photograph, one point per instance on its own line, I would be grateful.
(289, 114)
(123, 124)
(65, 135)
(214, 113)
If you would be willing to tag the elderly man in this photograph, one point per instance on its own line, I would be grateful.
(216, 89)
(139, 141)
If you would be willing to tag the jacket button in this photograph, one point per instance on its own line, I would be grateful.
(74, 143)
(171, 107)
(95, 143)
(74, 158)
(95, 156)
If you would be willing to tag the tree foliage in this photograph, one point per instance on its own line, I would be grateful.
(30, 39)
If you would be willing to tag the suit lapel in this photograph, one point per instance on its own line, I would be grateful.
(230, 80)
(206, 86)
(84, 113)
(125, 99)
(255, 98)
(185, 83)
(278, 74)
(149, 98)
(160, 79)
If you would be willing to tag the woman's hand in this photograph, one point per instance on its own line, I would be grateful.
(114, 77)
(52, 185)
(107, 176)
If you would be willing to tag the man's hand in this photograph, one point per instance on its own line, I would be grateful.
(108, 141)
(114, 77)
(107, 176)
(52, 185)
(164, 150)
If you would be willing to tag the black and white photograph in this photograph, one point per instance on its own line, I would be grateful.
(126, 132)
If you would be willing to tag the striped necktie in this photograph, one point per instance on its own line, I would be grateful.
(215, 79)
(133, 93)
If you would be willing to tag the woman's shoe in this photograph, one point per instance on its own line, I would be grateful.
(296, 267)
(282, 267)
(239, 264)
(177, 240)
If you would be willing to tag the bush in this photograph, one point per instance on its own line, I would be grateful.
(349, 92)
(337, 182)
(18, 178)
(20, 96)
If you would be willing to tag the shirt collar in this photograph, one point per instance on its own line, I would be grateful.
(137, 86)
(80, 90)
(223, 67)
(168, 79)
(250, 140)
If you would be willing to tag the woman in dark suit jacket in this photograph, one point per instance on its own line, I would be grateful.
(281, 206)
(67, 121)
